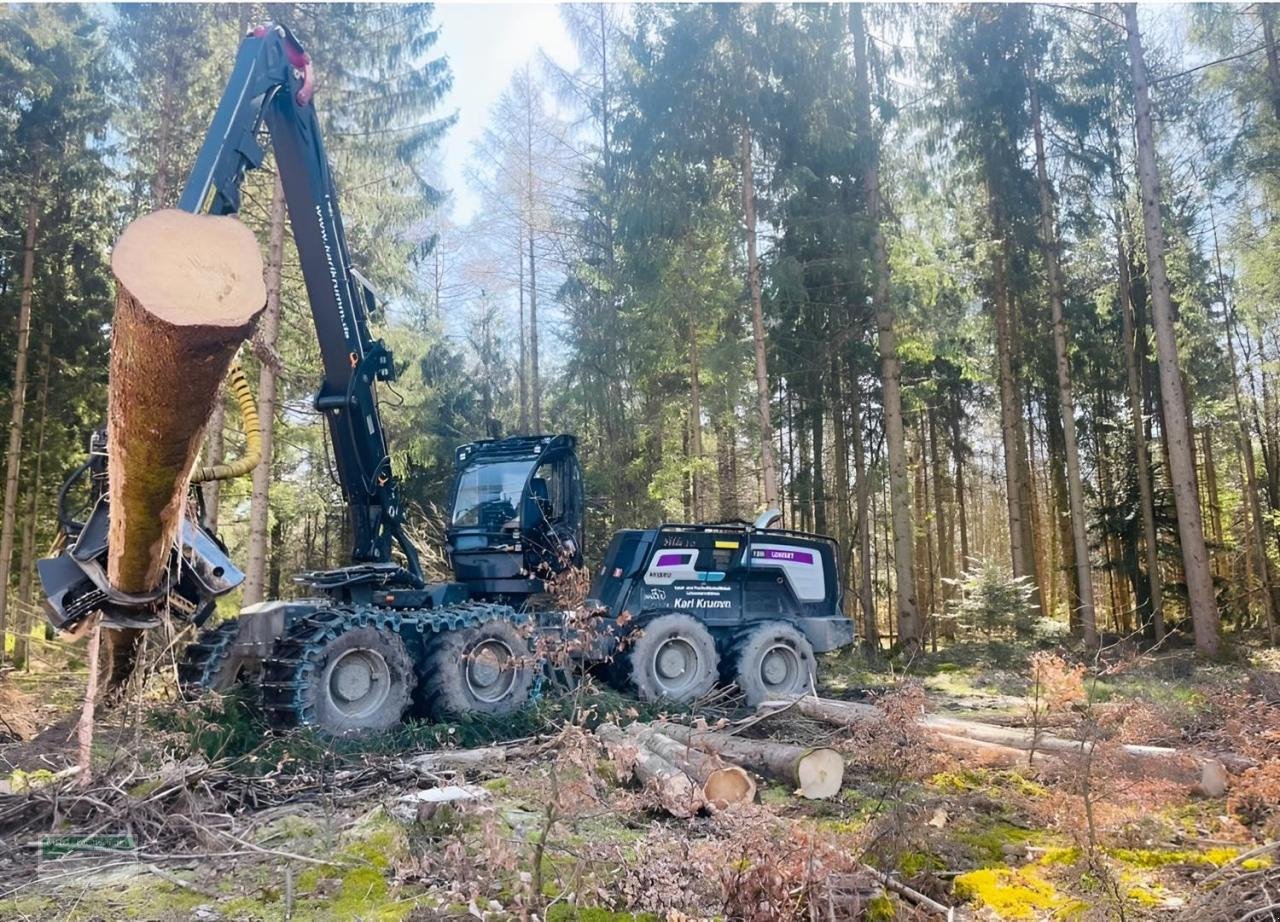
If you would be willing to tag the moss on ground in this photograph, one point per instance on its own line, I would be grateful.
(1015, 893)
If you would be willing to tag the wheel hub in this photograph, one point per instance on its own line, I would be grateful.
(779, 666)
(358, 681)
(489, 670)
(675, 663)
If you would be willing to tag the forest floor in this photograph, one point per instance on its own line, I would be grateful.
(199, 815)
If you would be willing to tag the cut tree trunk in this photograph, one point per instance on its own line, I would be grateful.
(722, 784)
(188, 289)
(675, 790)
(814, 773)
(1195, 558)
(1191, 769)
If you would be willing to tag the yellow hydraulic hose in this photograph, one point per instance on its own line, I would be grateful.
(238, 384)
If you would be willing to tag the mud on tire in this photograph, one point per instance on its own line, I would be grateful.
(487, 669)
(773, 660)
(672, 657)
(362, 680)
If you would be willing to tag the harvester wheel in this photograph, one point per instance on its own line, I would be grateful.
(487, 669)
(673, 657)
(207, 664)
(363, 680)
(774, 661)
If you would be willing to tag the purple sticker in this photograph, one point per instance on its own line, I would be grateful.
(670, 560)
(794, 556)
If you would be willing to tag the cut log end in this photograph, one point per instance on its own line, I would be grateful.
(191, 270)
(820, 773)
(727, 786)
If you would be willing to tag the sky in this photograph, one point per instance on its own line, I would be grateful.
(485, 43)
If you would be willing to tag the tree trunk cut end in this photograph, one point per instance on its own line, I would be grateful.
(820, 773)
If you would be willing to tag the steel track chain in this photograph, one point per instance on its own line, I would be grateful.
(204, 656)
(293, 666)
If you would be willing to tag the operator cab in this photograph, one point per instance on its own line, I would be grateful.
(516, 517)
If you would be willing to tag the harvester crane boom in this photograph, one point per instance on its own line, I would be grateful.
(271, 85)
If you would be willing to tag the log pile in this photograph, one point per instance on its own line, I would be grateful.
(690, 770)
(1206, 773)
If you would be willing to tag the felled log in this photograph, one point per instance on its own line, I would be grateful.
(458, 759)
(1206, 774)
(188, 289)
(676, 791)
(815, 774)
(722, 784)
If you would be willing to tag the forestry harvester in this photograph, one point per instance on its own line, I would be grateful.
(676, 608)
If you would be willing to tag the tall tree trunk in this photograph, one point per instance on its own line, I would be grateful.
(215, 450)
(268, 331)
(1267, 14)
(1253, 502)
(1200, 597)
(535, 386)
(1134, 381)
(942, 503)
(769, 471)
(957, 453)
(817, 417)
(1075, 488)
(18, 397)
(866, 598)
(1062, 515)
(1010, 410)
(22, 627)
(1211, 500)
(840, 451)
(890, 365)
(695, 424)
(524, 359)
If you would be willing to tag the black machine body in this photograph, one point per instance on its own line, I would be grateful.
(516, 517)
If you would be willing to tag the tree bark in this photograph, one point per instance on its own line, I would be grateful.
(1200, 597)
(675, 791)
(816, 774)
(1075, 488)
(722, 784)
(909, 627)
(177, 325)
(215, 451)
(769, 472)
(18, 398)
(268, 331)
